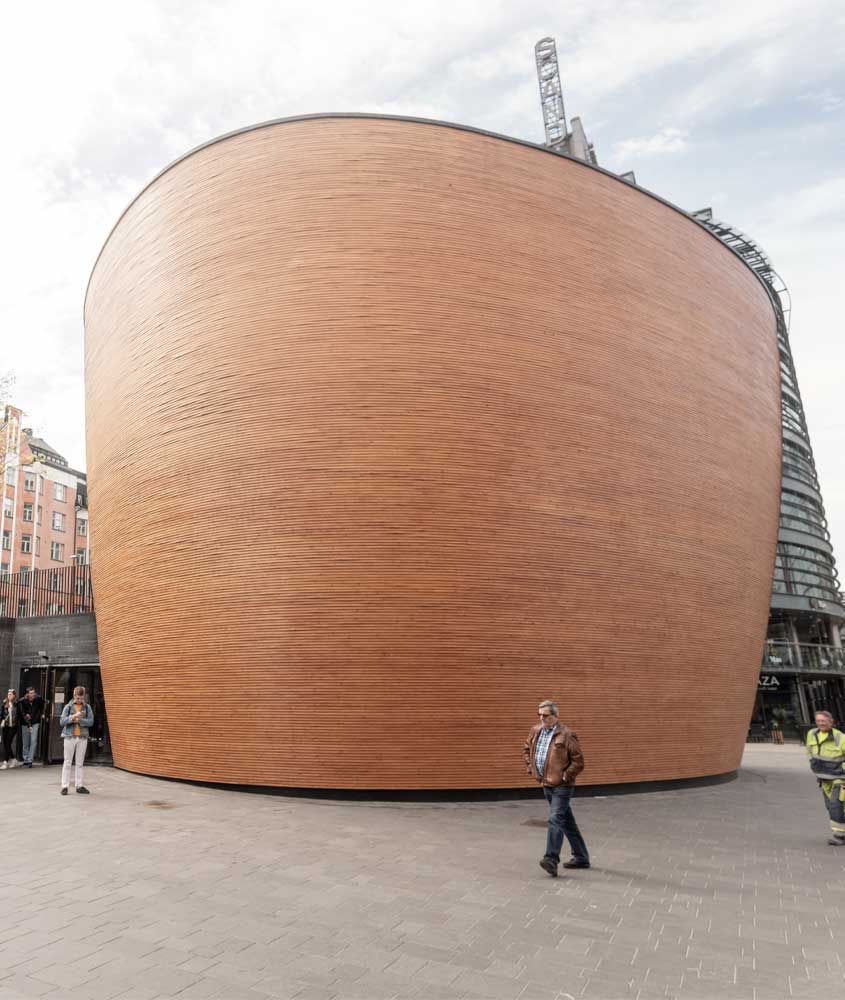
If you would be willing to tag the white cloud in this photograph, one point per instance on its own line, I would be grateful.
(667, 140)
(103, 95)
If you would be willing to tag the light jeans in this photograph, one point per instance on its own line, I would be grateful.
(74, 746)
(29, 741)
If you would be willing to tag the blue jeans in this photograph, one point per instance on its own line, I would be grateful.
(29, 739)
(562, 824)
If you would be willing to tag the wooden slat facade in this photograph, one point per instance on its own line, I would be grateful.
(418, 426)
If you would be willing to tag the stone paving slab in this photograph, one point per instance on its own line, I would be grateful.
(728, 891)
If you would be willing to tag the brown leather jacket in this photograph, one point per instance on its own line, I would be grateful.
(564, 761)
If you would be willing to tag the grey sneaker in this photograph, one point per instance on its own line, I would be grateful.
(549, 865)
(837, 841)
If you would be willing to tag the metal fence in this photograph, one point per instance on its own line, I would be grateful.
(65, 590)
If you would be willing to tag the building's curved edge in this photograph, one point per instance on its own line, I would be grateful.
(319, 116)
(451, 795)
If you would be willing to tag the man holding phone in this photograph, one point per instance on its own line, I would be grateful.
(77, 719)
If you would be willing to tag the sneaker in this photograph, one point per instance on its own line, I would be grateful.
(572, 863)
(64, 791)
(549, 865)
(837, 840)
(82, 790)
(28, 764)
(3, 766)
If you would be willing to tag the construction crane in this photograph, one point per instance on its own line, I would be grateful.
(559, 136)
(551, 93)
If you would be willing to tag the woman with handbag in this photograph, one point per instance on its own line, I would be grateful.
(10, 725)
(826, 748)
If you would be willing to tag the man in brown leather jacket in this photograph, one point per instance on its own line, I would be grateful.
(553, 756)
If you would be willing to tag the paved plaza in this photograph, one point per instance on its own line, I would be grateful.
(149, 889)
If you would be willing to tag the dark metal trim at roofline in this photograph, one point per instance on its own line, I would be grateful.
(320, 116)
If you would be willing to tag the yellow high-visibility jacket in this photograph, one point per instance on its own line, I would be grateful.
(829, 748)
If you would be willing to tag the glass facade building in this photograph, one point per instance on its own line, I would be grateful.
(803, 666)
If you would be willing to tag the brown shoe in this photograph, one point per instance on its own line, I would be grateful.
(550, 866)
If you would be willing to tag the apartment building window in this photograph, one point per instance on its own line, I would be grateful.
(26, 543)
(38, 545)
(57, 551)
(55, 609)
(79, 558)
(23, 571)
(29, 483)
(7, 538)
(39, 517)
(27, 512)
(7, 507)
(82, 527)
(4, 569)
(59, 491)
(53, 580)
(58, 521)
(21, 605)
(2, 607)
(10, 477)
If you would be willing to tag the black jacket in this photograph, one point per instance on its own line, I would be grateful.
(34, 709)
(15, 713)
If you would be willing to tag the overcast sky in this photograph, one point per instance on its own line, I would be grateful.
(738, 106)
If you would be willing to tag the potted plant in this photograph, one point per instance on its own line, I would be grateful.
(779, 716)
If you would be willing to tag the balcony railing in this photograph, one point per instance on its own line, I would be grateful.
(803, 657)
(65, 590)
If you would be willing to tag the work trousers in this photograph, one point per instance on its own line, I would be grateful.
(562, 824)
(75, 747)
(833, 792)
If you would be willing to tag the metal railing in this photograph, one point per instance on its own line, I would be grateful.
(65, 590)
(804, 657)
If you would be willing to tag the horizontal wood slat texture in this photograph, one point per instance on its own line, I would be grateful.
(395, 430)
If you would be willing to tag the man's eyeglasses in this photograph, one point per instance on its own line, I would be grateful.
(545, 715)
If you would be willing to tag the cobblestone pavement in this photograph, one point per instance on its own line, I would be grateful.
(154, 889)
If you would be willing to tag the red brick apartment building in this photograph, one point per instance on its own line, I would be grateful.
(44, 503)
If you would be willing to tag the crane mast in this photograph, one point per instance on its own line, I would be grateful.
(560, 137)
(551, 92)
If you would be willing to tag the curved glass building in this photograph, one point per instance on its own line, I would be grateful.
(803, 663)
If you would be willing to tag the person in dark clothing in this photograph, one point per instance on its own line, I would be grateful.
(10, 724)
(32, 712)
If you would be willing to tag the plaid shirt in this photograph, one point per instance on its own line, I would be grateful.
(541, 750)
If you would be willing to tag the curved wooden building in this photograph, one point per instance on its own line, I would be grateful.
(397, 428)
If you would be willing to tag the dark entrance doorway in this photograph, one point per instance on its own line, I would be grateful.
(55, 685)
